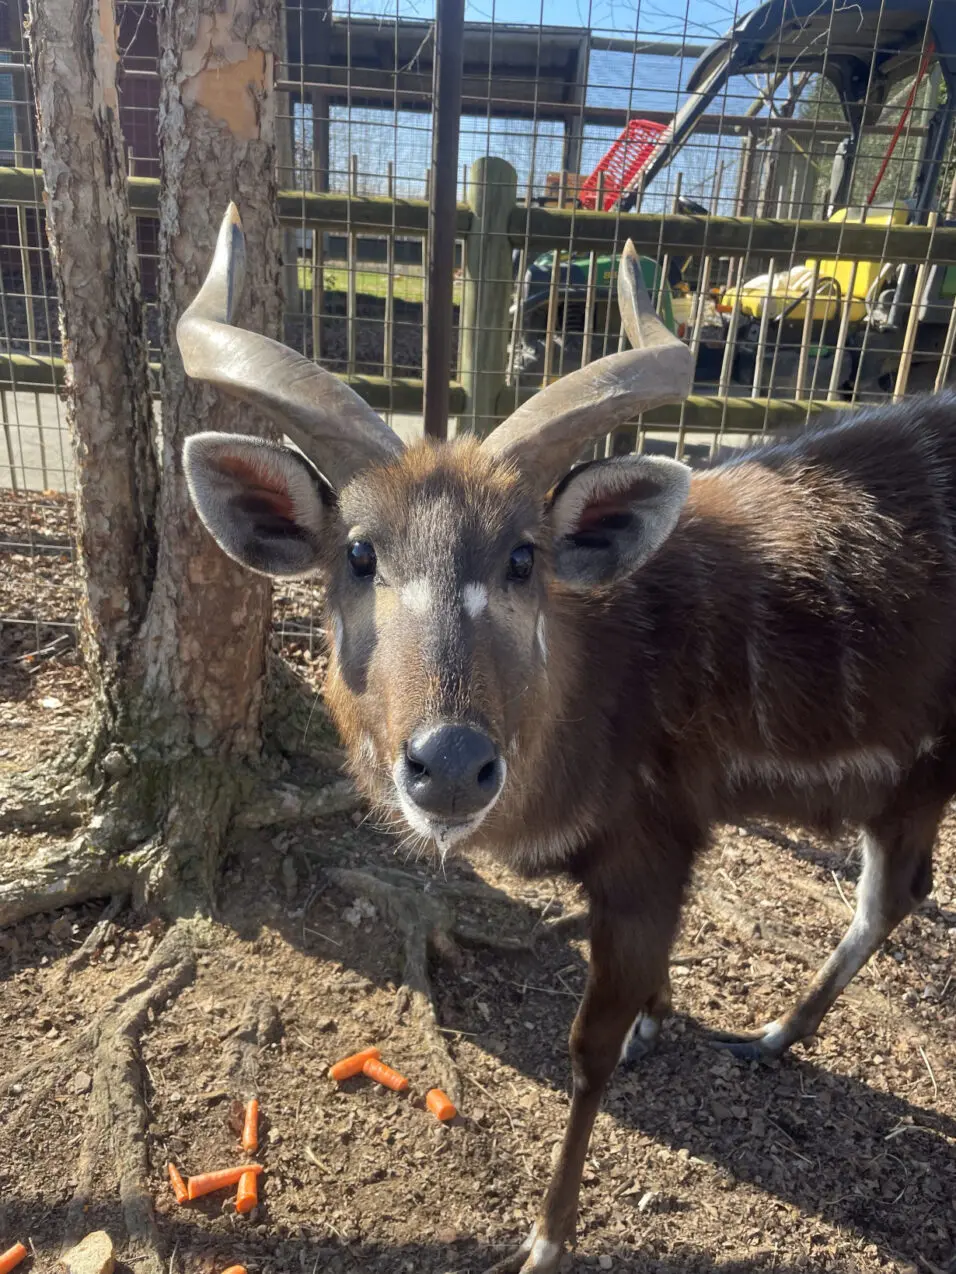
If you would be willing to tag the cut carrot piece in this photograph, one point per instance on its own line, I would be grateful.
(383, 1074)
(11, 1258)
(442, 1107)
(350, 1066)
(247, 1195)
(250, 1129)
(178, 1184)
(206, 1182)
(235, 1269)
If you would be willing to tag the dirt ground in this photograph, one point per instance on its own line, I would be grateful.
(841, 1157)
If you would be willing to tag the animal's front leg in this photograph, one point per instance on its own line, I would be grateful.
(627, 968)
(645, 1031)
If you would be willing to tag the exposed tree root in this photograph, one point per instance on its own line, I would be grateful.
(426, 924)
(28, 804)
(259, 1025)
(141, 839)
(98, 936)
(118, 1113)
(576, 924)
(284, 803)
(56, 876)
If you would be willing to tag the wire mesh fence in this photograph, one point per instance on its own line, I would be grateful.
(792, 191)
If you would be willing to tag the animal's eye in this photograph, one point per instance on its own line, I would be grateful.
(361, 557)
(521, 562)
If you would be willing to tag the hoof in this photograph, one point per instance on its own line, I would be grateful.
(641, 1042)
(534, 1256)
(766, 1045)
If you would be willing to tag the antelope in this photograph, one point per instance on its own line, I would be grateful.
(585, 667)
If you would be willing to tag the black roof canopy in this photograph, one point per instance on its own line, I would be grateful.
(864, 47)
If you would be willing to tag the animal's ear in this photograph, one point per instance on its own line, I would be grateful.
(609, 516)
(263, 504)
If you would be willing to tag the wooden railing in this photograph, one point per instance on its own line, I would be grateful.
(494, 223)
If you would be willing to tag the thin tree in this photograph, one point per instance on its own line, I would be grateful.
(174, 635)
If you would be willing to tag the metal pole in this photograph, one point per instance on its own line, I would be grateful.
(449, 34)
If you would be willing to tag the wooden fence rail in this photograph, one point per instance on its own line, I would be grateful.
(491, 225)
(559, 227)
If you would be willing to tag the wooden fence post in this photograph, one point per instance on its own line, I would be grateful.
(487, 292)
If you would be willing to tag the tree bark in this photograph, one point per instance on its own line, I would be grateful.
(93, 252)
(203, 653)
(175, 633)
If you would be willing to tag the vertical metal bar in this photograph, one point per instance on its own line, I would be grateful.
(517, 319)
(551, 322)
(589, 304)
(833, 390)
(23, 236)
(351, 302)
(666, 256)
(912, 322)
(945, 359)
(388, 341)
(449, 37)
(318, 287)
(320, 184)
(809, 314)
(8, 437)
(44, 462)
(762, 333)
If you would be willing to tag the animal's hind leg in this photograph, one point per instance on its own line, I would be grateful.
(897, 875)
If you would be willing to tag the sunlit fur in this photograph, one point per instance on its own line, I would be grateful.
(444, 520)
(787, 651)
(780, 643)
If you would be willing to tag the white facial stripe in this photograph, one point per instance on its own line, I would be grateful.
(541, 629)
(417, 595)
(475, 599)
(337, 630)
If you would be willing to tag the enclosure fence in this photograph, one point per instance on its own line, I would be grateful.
(777, 293)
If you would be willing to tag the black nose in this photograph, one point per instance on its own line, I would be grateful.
(452, 770)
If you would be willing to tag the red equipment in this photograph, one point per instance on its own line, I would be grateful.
(622, 163)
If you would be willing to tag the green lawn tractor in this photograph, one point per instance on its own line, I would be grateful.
(572, 315)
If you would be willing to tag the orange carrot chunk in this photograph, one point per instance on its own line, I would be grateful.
(206, 1182)
(11, 1258)
(247, 1195)
(250, 1129)
(178, 1184)
(442, 1107)
(350, 1066)
(235, 1269)
(383, 1074)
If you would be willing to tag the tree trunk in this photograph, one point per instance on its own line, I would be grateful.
(200, 665)
(203, 653)
(175, 634)
(93, 252)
